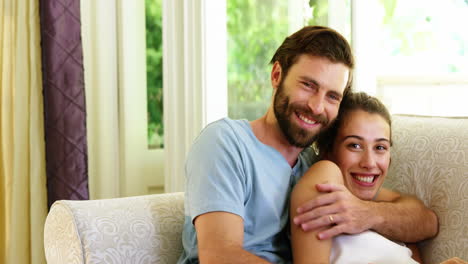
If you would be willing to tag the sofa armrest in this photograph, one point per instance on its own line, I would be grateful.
(140, 229)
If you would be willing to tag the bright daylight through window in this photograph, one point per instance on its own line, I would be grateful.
(413, 54)
(422, 56)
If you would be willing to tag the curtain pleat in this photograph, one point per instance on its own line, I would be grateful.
(100, 59)
(23, 202)
(64, 101)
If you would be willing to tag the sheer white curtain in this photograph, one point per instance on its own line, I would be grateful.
(99, 39)
(23, 195)
(195, 77)
(113, 33)
(120, 163)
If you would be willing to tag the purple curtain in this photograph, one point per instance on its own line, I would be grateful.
(64, 101)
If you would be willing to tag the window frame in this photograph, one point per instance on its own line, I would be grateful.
(195, 83)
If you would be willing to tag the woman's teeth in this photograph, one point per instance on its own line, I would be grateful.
(367, 179)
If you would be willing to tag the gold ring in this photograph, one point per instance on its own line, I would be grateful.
(330, 217)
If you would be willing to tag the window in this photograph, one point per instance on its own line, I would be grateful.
(255, 30)
(154, 73)
(392, 62)
(422, 37)
(414, 54)
(410, 54)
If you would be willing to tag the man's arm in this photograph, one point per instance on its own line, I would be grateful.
(404, 217)
(220, 238)
(395, 216)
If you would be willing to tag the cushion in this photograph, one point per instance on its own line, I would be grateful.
(430, 161)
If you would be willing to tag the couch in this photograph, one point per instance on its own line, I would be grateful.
(429, 160)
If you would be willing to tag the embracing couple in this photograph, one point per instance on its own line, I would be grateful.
(303, 183)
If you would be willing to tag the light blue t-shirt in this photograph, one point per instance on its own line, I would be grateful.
(228, 169)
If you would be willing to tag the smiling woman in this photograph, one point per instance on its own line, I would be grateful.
(362, 151)
(360, 144)
(356, 153)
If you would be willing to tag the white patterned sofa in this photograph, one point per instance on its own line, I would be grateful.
(429, 160)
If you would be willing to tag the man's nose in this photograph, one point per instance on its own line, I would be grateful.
(316, 104)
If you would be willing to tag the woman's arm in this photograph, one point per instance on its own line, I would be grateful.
(307, 248)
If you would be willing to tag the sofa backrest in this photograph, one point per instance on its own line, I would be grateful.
(430, 161)
(140, 229)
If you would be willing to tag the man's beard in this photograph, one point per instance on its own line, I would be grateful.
(295, 135)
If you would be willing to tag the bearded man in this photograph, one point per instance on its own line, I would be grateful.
(239, 174)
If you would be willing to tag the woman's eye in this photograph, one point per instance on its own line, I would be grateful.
(354, 146)
(381, 148)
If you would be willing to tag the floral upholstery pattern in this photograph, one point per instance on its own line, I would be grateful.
(140, 229)
(429, 160)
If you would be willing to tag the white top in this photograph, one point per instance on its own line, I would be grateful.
(368, 247)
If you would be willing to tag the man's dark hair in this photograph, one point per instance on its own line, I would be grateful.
(317, 41)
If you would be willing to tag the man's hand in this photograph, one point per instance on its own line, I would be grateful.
(339, 206)
(395, 216)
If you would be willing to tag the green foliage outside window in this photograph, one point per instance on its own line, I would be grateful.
(154, 73)
(255, 30)
(257, 27)
(424, 37)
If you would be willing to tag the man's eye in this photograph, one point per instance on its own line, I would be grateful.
(334, 97)
(306, 84)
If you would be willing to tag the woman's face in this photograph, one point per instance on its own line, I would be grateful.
(362, 151)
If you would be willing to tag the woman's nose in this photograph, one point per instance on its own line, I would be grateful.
(367, 160)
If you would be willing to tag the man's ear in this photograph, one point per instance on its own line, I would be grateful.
(276, 75)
